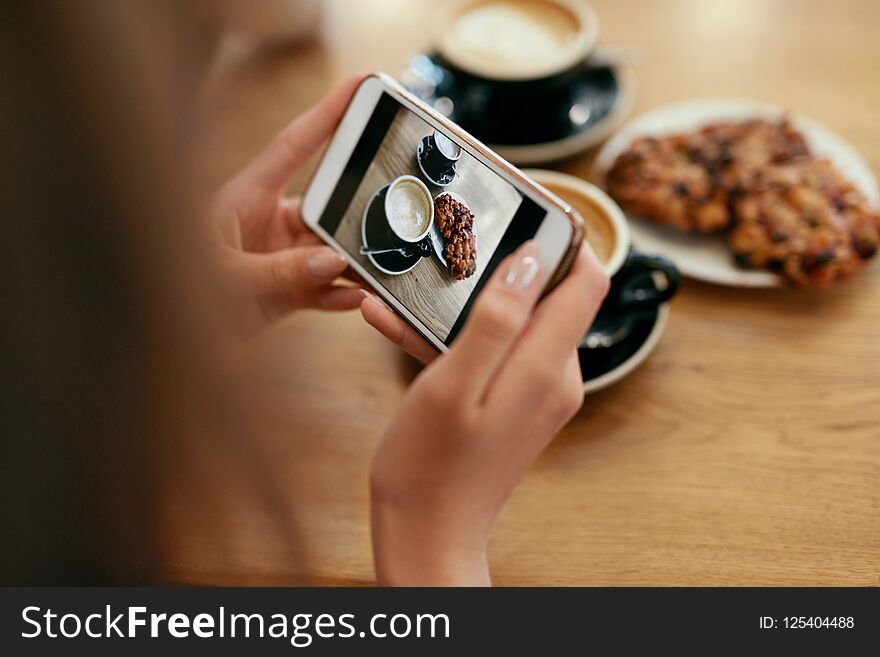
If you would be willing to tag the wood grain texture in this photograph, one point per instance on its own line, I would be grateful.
(428, 289)
(745, 450)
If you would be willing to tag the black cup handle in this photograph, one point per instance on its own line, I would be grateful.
(629, 297)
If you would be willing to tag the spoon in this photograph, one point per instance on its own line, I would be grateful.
(423, 249)
(607, 331)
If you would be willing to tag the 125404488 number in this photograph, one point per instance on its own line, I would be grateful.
(818, 622)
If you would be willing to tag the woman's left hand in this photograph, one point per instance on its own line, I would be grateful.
(265, 245)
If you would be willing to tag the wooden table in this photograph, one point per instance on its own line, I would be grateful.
(746, 450)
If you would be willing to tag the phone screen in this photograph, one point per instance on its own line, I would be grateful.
(425, 217)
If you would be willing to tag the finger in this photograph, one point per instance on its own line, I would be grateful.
(498, 317)
(291, 215)
(565, 399)
(307, 239)
(389, 324)
(297, 142)
(354, 277)
(543, 399)
(303, 235)
(563, 316)
(285, 271)
(540, 357)
(291, 208)
(339, 298)
(573, 372)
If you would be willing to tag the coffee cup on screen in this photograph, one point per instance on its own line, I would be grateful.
(639, 281)
(438, 156)
(409, 208)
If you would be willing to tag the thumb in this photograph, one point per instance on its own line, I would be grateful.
(283, 271)
(498, 318)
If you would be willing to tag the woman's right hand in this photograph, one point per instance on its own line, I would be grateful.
(475, 419)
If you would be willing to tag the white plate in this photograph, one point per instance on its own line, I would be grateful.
(707, 257)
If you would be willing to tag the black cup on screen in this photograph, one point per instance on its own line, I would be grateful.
(438, 156)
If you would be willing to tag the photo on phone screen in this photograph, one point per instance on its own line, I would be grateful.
(427, 219)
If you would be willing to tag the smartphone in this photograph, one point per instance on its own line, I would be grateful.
(424, 212)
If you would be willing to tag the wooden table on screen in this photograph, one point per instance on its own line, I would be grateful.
(745, 450)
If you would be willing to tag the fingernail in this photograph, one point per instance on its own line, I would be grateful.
(524, 268)
(372, 298)
(325, 264)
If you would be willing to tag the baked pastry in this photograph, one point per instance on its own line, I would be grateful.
(452, 216)
(686, 180)
(733, 151)
(461, 255)
(456, 224)
(805, 222)
(658, 179)
(784, 209)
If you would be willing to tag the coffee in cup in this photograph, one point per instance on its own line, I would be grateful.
(635, 287)
(599, 231)
(516, 39)
(605, 226)
(409, 208)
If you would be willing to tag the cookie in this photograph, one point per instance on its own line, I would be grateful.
(461, 255)
(687, 180)
(456, 224)
(805, 222)
(657, 179)
(452, 216)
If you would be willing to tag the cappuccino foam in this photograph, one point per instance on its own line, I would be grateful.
(408, 209)
(449, 148)
(512, 37)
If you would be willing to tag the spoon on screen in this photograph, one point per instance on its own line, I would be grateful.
(423, 249)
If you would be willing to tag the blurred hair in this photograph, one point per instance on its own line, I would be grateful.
(107, 322)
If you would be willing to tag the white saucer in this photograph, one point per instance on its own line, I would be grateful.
(707, 257)
(639, 356)
(579, 140)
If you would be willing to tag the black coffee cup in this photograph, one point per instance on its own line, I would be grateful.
(515, 47)
(438, 156)
(640, 282)
(635, 291)
(503, 91)
(635, 285)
